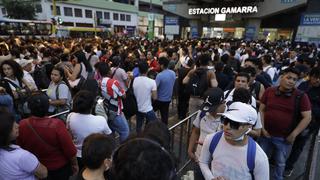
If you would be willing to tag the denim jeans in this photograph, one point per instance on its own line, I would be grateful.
(150, 116)
(280, 149)
(120, 125)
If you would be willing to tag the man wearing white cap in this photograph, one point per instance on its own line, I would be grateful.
(232, 153)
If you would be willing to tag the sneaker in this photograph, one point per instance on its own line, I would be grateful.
(287, 172)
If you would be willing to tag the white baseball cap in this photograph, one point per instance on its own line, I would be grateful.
(23, 62)
(242, 113)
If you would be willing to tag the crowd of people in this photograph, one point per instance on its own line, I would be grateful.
(257, 103)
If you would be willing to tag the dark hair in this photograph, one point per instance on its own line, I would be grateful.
(267, 59)
(158, 131)
(61, 72)
(142, 159)
(80, 55)
(315, 72)
(249, 70)
(96, 148)
(164, 61)
(38, 104)
(64, 57)
(219, 66)
(243, 74)
(241, 95)
(291, 70)
(103, 68)
(83, 102)
(143, 67)
(16, 68)
(204, 59)
(6, 125)
(88, 48)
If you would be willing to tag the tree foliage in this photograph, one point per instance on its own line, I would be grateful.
(20, 9)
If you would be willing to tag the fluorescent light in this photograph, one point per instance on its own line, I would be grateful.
(220, 17)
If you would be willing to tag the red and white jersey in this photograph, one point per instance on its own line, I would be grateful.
(110, 88)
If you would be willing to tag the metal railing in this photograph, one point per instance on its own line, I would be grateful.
(313, 167)
(60, 113)
(180, 141)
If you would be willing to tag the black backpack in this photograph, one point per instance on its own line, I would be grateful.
(198, 82)
(41, 75)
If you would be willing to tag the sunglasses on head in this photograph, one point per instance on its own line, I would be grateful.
(233, 125)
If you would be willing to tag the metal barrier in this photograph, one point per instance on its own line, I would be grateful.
(314, 166)
(180, 141)
(58, 114)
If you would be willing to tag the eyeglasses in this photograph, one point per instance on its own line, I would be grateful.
(233, 125)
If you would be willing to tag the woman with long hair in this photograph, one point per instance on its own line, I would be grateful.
(16, 163)
(58, 92)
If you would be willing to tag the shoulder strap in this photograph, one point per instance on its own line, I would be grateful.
(89, 58)
(229, 91)
(214, 142)
(57, 89)
(114, 72)
(251, 156)
(13, 84)
(38, 136)
(297, 102)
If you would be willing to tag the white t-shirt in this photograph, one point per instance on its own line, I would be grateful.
(230, 98)
(258, 125)
(64, 93)
(17, 164)
(270, 70)
(207, 125)
(142, 88)
(231, 161)
(27, 76)
(82, 125)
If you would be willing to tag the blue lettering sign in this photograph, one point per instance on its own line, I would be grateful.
(310, 20)
(171, 20)
(287, 1)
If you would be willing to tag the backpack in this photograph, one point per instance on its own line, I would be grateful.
(41, 77)
(198, 83)
(255, 89)
(251, 150)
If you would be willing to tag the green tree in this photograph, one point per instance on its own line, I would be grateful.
(20, 9)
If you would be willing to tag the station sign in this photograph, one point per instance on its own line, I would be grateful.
(224, 10)
(171, 20)
(310, 20)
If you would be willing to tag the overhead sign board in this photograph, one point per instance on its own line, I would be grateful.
(310, 20)
(171, 20)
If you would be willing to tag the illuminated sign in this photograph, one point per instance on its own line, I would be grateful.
(224, 10)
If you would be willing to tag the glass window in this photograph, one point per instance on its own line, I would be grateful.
(115, 16)
(122, 17)
(88, 13)
(99, 14)
(77, 12)
(38, 8)
(68, 11)
(128, 17)
(106, 15)
(57, 9)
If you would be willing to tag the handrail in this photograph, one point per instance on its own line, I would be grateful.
(179, 142)
(182, 121)
(314, 160)
(60, 113)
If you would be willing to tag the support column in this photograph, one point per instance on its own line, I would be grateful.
(252, 29)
